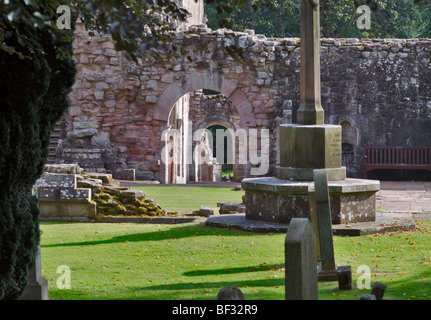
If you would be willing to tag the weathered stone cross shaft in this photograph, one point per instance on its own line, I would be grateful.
(310, 111)
(310, 144)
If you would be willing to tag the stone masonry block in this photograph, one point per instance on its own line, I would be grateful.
(76, 194)
(55, 181)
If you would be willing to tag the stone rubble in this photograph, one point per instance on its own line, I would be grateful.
(66, 192)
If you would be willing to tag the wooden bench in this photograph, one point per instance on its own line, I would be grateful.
(396, 158)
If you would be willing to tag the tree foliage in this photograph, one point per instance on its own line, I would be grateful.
(35, 85)
(134, 25)
(280, 18)
(37, 74)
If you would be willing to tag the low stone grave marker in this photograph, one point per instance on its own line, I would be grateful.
(344, 275)
(301, 258)
(379, 290)
(230, 293)
(367, 296)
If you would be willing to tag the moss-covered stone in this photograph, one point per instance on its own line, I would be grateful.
(142, 211)
(122, 201)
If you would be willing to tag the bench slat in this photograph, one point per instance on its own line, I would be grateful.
(396, 158)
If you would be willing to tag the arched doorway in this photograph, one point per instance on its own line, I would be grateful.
(190, 140)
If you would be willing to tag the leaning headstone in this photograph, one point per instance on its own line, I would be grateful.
(328, 271)
(230, 293)
(344, 275)
(367, 296)
(301, 261)
(379, 290)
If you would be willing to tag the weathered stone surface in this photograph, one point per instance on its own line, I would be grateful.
(231, 207)
(344, 275)
(106, 178)
(64, 168)
(126, 174)
(57, 180)
(381, 225)
(230, 293)
(301, 261)
(275, 200)
(67, 208)
(206, 211)
(89, 184)
(79, 195)
(310, 111)
(37, 287)
(132, 194)
(379, 290)
(304, 148)
(61, 199)
(328, 270)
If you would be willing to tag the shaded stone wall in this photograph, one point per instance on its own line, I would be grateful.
(119, 109)
(383, 88)
(207, 110)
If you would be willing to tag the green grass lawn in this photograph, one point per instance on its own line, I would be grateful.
(192, 261)
(182, 198)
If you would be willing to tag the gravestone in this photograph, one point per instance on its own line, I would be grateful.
(230, 293)
(328, 270)
(37, 287)
(300, 259)
(344, 275)
(379, 290)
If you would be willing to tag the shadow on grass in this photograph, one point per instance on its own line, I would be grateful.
(417, 287)
(274, 282)
(170, 234)
(264, 267)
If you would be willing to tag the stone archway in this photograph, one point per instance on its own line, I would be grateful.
(226, 146)
(206, 81)
(177, 152)
(120, 109)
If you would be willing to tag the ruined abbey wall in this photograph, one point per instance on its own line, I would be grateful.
(378, 90)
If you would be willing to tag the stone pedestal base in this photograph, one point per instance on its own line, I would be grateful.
(304, 148)
(276, 200)
(306, 174)
(326, 275)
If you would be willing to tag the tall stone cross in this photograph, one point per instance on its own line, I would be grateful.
(310, 110)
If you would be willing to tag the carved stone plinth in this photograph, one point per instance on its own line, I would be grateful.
(277, 200)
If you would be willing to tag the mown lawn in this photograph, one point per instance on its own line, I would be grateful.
(192, 261)
(185, 198)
